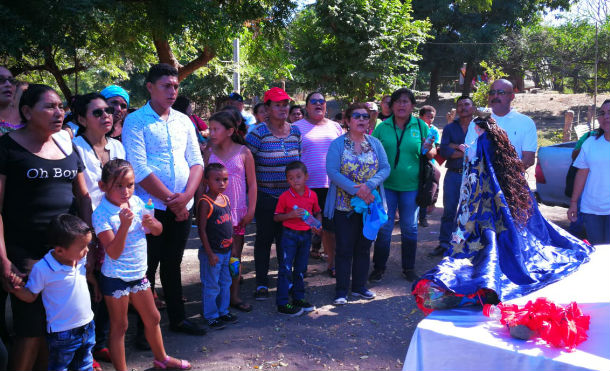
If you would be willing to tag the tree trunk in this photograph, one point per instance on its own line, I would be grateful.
(165, 55)
(434, 81)
(468, 78)
(52, 67)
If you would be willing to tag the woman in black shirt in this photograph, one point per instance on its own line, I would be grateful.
(40, 175)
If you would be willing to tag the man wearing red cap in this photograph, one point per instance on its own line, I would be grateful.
(274, 144)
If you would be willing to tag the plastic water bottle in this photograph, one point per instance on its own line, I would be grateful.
(429, 139)
(309, 219)
(492, 311)
(149, 209)
(234, 267)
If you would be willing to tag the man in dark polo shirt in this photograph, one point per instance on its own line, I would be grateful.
(452, 148)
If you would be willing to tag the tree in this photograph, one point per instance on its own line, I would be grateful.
(188, 34)
(64, 37)
(356, 48)
(465, 31)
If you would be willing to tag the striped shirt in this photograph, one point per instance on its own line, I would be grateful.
(316, 140)
(271, 155)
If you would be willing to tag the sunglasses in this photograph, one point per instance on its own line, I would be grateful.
(359, 116)
(11, 79)
(317, 101)
(99, 112)
(497, 92)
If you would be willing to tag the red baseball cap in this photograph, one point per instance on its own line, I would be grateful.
(276, 95)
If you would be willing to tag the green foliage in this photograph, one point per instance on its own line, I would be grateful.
(493, 72)
(109, 41)
(560, 57)
(465, 31)
(356, 48)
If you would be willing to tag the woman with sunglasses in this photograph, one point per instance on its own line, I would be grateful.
(403, 136)
(592, 181)
(356, 165)
(95, 120)
(317, 133)
(9, 114)
(274, 144)
(40, 176)
(95, 146)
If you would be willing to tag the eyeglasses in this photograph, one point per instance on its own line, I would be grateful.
(359, 116)
(10, 79)
(99, 112)
(317, 101)
(497, 92)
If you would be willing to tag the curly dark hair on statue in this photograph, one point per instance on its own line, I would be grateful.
(509, 171)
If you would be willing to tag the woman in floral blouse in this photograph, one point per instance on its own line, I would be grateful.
(356, 165)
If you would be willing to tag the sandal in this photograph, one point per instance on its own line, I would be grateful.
(244, 307)
(164, 365)
(331, 272)
(96, 366)
(102, 355)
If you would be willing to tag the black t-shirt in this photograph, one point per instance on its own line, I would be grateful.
(36, 190)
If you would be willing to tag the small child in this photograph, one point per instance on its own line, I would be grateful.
(296, 239)
(216, 234)
(61, 277)
(119, 222)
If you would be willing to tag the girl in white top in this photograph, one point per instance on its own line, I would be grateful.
(93, 144)
(593, 181)
(119, 221)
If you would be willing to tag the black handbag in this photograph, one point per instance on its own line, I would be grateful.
(427, 190)
(570, 180)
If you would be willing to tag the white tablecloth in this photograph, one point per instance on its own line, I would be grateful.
(464, 339)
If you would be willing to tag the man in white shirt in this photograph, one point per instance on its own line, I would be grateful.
(161, 145)
(521, 130)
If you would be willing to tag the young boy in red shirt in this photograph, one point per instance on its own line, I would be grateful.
(292, 208)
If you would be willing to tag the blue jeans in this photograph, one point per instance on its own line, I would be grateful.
(598, 228)
(71, 349)
(216, 282)
(451, 198)
(295, 248)
(352, 253)
(408, 211)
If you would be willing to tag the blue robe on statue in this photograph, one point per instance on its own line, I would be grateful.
(490, 251)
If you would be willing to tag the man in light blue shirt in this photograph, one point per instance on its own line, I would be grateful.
(161, 145)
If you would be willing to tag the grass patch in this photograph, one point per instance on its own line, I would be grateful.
(547, 137)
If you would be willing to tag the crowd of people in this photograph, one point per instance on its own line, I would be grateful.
(107, 195)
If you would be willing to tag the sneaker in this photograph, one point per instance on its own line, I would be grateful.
(228, 318)
(410, 275)
(261, 293)
(340, 301)
(364, 294)
(306, 306)
(290, 310)
(423, 222)
(215, 324)
(376, 275)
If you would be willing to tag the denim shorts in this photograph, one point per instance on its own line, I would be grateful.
(71, 349)
(118, 288)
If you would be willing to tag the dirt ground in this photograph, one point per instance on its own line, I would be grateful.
(363, 335)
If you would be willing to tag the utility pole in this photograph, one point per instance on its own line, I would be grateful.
(236, 87)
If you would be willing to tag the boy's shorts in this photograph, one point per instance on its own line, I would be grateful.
(118, 288)
(71, 349)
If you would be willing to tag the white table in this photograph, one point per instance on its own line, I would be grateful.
(464, 339)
